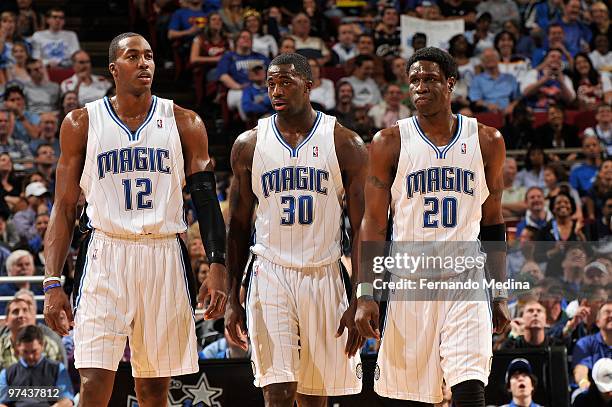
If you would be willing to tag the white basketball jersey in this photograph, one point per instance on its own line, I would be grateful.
(133, 180)
(438, 192)
(299, 193)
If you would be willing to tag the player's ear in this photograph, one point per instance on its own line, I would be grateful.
(308, 85)
(452, 81)
(112, 68)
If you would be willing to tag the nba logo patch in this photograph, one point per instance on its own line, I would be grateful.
(315, 151)
(463, 148)
(160, 124)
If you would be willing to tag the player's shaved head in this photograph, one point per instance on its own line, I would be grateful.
(299, 62)
(114, 45)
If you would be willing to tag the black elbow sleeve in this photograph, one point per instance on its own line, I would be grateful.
(203, 190)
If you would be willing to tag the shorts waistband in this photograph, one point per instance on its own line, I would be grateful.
(134, 238)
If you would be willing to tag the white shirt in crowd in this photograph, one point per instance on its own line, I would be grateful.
(324, 95)
(365, 92)
(265, 45)
(344, 54)
(87, 93)
(55, 47)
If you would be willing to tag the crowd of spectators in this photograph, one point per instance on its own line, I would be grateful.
(525, 63)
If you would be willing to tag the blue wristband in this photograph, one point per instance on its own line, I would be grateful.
(50, 286)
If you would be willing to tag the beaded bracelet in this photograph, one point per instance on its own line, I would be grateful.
(50, 286)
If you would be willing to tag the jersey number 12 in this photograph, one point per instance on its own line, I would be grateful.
(144, 186)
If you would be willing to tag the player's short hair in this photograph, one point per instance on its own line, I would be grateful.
(114, 45)
(299, 62)
(445, 61)
(29, 334)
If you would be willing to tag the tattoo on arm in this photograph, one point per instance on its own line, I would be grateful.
(377, 183)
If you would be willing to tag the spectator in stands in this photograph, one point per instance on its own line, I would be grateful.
(572, 269)
(577, 34)
(365, 46)
(533, 173)
(590, 349)
(500, 10)
(518, 131)
(17, 72)
(42, 95)
(555, 179)
(521, 383)
(555, 40)
(345, 110)
(531, 271)
(525, 42)
(45, 161)
(600, 21)
(40, 224)
(36, 194)
(8, 238)
(68, 102)
(542, 14)
(390, 109)
(531, 333)
(599, 393)
(55, 46)
(509, 61)
(592, 88)
(522, 252)
(583, 175)
(453, 9)
(185, 23)
(208, 46)
(35, 369)
(555, 133)
(224, 348)
(322, 91)
(231, 14)
(48, 131)
(28, 19)
(513, 197)
(8, 37)
(601, 188)
(481, 38)
(17, 149)
(287, 45)
(264, 44)
(601, 55)
(418, 41)
(562, 227)
(548, 84)
(345, 48)
(601, 229)
(26, 122)
(10, 185)
(462, 51)
(364, 126)
(234, 66)
(537, 214)
(195, 248)
(88, 86)
(366, 91)
(387, 34)
(305, 44)
(583, 319)
(603, 128)
(19, 263)
(321, 24)
(492, 90)
(202, 267)
(400, 78)
(37, 307)
(255, 100)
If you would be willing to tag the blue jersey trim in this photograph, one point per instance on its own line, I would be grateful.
(440, 153)
(135, 135)
(294, 152)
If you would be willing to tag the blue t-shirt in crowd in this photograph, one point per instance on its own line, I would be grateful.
(237, 66)
(211, 6)
(255, 100)
(62, 381)
(183, 18)
(216, 350)
(589, 350)
(575, 33)
(501, 90)
(582, 177)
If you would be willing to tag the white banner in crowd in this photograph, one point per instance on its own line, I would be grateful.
(438, 32)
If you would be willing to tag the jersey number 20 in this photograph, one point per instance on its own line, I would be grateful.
(304, 209)
(144, 186)
(432, 210)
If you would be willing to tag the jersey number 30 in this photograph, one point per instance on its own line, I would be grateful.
(432, 210)
(304, 209)
(144, 186)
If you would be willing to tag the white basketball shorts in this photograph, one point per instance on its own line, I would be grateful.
(424, 342)
(135, 288)
(292, 319)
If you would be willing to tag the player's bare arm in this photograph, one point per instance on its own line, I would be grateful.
(382, 166)
(352, 159)
(73, 144)
(201, 182)
(241, 206)
(493, 155)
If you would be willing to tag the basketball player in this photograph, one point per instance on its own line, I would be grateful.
(132, 155)
(297, 165)
(425, 342)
